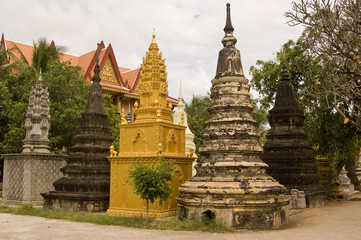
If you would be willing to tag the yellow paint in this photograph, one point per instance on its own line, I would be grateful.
(152, 134)
(107, 74)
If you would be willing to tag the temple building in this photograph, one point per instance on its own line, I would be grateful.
(120, 82)
(231, 184)
(150, 136)
(286, 151)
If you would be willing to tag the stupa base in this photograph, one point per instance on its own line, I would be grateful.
(76, 202)
(263, 208)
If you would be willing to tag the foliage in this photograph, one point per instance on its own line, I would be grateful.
(96, 218)
(151, 181)
(197, 115)
(332, 33)
(68, 94)
(260, 115)
(113, 117)
(326, 132)
(45, 53)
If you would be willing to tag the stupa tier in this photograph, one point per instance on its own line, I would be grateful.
(85, 184)
(286, 151)
(150, 136)
(231, 183)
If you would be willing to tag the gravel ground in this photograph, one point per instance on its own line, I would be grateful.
(336, 220)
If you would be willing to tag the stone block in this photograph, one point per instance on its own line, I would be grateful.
(26, 176)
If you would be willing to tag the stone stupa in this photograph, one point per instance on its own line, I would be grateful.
(32, 172)
(86, 181)
(231, 183)
(286, 151)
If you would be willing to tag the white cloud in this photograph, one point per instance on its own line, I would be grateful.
(188, 32)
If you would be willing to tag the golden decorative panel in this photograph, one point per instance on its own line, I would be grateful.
(107, 74)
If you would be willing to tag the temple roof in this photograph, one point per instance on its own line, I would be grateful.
(124, 79)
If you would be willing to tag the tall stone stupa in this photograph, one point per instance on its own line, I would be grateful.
(231, 184)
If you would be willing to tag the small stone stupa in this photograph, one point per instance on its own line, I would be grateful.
(85, 185)
(37, 121)
(32, 172)
(231, 184)
(150, 136)
(180, 116)
(286, 151)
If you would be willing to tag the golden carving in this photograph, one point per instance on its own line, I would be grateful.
(107, 74)
(124, 121)
(112, 151)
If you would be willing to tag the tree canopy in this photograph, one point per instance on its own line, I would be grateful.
(325, 128)
(332, 34)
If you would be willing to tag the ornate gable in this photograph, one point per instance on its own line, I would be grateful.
(108, 74)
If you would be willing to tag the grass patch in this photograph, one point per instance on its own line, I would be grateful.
(165, 224)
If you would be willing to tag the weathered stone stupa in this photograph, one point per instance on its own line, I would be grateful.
(32, 172)
(85, 185)
(231, 183)
(150, 136)
(286, 151)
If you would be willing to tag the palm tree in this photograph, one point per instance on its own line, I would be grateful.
(43, 53)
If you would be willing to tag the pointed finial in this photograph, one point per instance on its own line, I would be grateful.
(153, 40)
(228, 40)
(180, 96)
(228, 28)
(284, 72)
(96, 77)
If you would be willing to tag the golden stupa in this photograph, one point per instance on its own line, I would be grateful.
(151, 135)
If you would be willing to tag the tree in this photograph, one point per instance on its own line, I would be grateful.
(326, 132)
(197, 115)
(332, 33)
(151, 181)
(260, 115)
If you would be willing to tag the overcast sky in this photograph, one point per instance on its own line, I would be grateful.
(188, 32)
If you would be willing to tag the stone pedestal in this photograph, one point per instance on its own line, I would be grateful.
(28, 175)
(231, 184)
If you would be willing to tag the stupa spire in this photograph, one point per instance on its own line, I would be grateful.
(153, 86)
(229, 58)
(95, 101)
(180, 96)
(96, 68)
(229, 40)
(284, 72)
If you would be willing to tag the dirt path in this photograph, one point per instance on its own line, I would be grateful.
(336, 220)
